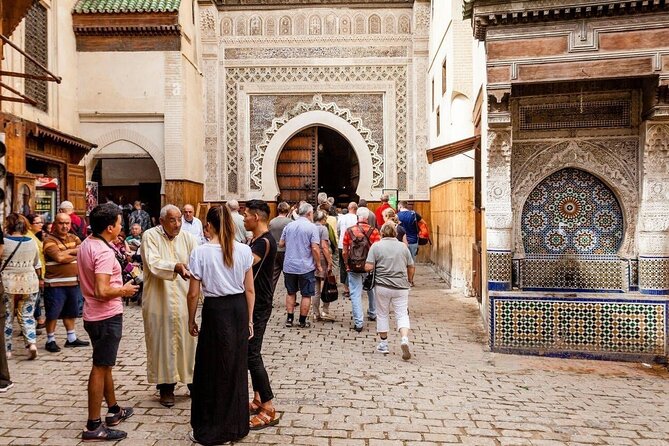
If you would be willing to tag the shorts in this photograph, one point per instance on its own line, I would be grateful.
(105, 337)
(62, 302)
(305, 283)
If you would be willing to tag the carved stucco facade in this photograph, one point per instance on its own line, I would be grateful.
(360, 71)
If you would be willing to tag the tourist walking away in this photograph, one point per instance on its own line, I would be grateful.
(5, 380)
(409, 221)
(139, 216)
(191, 224)
(240, 233)
(357, 241)
(302, 260)
(20, 270)
(344, 222)
(322, 312)
(221, 271)
(276, 226)
(61, 283)
(263, 247)
(170, 351)
(394, 269)
(102, 285)
(391, 217)
(380, 218)
(77, 226)
(362, 203)
(35, 232)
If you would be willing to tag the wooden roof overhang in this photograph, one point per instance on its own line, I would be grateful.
(487, 13)
(13, 12)
(453, 148)
(127, 31)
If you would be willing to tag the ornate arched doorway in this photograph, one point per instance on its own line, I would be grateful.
(317, 159)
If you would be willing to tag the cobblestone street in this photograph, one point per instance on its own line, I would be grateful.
(334, 389)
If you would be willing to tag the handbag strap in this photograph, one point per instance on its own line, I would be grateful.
(263, 258)
(4, 265)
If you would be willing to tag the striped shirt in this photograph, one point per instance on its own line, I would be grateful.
(61, 268)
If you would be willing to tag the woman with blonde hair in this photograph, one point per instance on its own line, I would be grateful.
(21, 271)
(221, 271)
(390, 216)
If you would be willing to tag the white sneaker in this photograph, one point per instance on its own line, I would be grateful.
(327, 317)
(406, 354)
(383, 347)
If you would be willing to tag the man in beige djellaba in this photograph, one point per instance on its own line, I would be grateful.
(170, 349)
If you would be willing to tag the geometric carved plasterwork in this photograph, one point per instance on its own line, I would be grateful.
(613, 161)
(327, 21)
(330, 107)
(233, 158)
(498, 177)
(654, 221)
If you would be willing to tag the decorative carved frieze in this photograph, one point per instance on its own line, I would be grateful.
(498, 204)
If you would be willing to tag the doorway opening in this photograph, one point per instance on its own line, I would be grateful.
(126, 180)
(318, 159)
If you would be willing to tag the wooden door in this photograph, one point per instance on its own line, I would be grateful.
(297, 168)
(76, 187)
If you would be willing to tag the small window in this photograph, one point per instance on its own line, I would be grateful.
(438, 122)
(37, 46)
(443, 78)
(433, 104)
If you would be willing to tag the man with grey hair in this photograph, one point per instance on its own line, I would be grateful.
(240, 234)
(76, 227)
(302, 259)
(362, 204)
(170, 349)
(190, 223)
(357, 241)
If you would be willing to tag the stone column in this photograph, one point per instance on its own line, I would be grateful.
(498, 210)
(654, 211)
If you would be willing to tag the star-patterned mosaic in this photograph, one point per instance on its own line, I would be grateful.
(572, 212)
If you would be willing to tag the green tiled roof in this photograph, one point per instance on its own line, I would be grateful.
(124, 6)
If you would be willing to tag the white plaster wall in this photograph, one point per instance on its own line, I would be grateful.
(121, 82)
(62, 111)
(459, 166)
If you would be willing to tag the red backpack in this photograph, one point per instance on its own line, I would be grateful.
(359, 248)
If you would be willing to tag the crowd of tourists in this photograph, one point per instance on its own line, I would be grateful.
(227, 268)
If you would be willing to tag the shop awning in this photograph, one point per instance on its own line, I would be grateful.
(452, 149)
(43, 131)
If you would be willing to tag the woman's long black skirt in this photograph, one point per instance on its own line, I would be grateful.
(219, 405)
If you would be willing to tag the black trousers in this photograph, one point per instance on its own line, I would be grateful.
(219, 399)
(4, 368)
(343, 275)
(278, 268)
(259, 377)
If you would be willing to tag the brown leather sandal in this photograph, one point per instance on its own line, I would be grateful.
(254, 407)
(264, 418)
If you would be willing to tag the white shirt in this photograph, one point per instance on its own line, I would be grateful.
(195, 228)
(343, 223)
(206, 264)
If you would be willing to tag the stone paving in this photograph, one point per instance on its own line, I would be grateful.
(333, 389)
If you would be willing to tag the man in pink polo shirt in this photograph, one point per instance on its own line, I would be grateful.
(102, 287)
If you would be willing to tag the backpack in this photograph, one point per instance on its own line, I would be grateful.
(358, 249)
(423, 233)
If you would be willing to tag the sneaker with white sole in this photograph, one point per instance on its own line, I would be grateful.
(112, 419)
(404, 345)
(6, 387)
(103, 433)
(383, 347)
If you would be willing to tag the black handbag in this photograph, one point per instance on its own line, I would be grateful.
(330, 292)
(370, 280)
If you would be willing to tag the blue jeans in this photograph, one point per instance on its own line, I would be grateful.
(413, 249)
(355, 287)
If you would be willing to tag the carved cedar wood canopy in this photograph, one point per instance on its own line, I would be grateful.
(485, 13)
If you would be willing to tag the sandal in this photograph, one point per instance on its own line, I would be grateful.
(254, 407)
(264, 418)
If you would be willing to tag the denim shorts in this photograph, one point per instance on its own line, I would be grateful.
(105, 337)
(304, 283)
(62, 302)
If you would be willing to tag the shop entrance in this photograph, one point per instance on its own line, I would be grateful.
(318, 159)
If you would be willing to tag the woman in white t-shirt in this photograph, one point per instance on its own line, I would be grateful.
(221, 271)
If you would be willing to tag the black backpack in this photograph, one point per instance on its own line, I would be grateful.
(358, 249)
